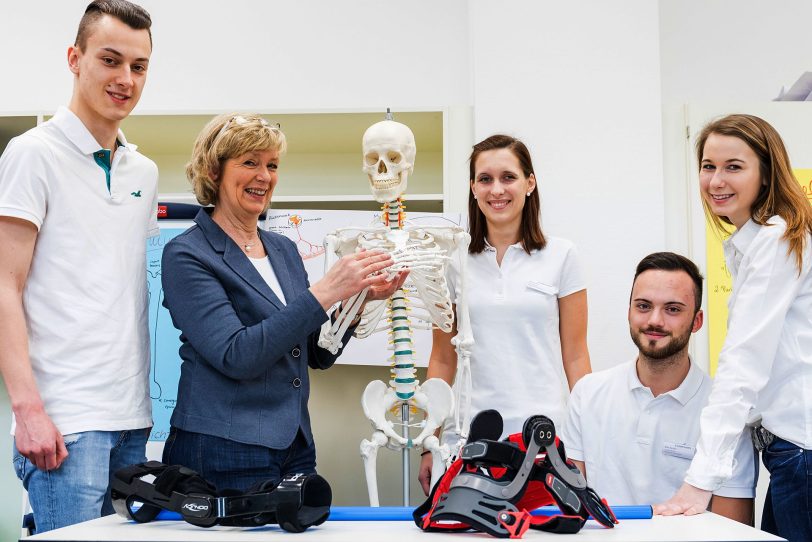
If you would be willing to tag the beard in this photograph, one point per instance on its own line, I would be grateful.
(675, 345)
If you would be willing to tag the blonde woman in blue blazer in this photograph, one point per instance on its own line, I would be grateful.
(249, 319)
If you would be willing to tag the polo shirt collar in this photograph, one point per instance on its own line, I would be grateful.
(632, 379)
(690, 386)
(683, 393)
(490, 248)
(78, 134)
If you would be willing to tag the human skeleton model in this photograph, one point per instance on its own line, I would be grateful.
(423, 301)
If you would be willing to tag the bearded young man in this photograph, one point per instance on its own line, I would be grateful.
(632, 429)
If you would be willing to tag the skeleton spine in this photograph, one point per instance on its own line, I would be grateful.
(400, 334)
(394, 214)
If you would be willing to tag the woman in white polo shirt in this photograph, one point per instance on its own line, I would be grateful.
(526, 295)
(765, 366)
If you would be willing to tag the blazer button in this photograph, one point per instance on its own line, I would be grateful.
(296, 352)
(297, 382)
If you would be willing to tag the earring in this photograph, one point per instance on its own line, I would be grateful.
(528, 194)
(474, 196)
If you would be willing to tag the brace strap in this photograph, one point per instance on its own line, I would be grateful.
(296, 503)
(517, 523)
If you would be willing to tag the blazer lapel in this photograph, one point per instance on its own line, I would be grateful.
(240, 264)
(280, 266)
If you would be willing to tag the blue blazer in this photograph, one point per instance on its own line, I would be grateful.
(244, 354)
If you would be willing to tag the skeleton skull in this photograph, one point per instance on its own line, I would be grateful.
(389, 152)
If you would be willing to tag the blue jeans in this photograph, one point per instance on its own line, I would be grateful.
(788, 505)
(233, 465)
(79, 489)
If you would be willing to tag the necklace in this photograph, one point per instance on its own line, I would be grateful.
(234, 230)
(249, 244)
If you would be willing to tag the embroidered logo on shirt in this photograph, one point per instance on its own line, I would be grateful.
(136, 194)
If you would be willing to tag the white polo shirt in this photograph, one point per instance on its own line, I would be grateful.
(637, 447)
(516, 364)
(85, 299)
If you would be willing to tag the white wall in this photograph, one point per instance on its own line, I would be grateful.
(742, 50)
(722, 51)
(579, 83)
(260, 54)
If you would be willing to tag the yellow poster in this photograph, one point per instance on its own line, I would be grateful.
(719, 283)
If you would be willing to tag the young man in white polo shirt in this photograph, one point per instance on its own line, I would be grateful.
(77, 203)
(633, 429)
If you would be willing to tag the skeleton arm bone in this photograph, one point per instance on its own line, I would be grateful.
(346, 317)
(327, 337)
(464, 340)
(373, 312)
(336, 246)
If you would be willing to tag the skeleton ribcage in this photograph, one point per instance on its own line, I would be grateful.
(426, 287)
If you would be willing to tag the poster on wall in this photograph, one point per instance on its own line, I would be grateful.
(164, 370)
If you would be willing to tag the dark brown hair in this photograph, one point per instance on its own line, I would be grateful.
(530, 232)
(669, 261)
(779, 194)
(128, 13)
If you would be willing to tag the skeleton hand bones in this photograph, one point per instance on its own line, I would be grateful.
(355, 273)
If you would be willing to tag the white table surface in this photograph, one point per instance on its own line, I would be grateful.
(705, 527)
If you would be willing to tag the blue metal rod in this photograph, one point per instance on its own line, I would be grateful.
(404, 513)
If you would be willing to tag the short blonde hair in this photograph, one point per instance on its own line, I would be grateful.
(227, 136)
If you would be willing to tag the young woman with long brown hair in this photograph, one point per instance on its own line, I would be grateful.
(764, 378)
(526, 295)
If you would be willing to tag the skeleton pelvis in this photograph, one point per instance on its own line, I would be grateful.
(433, 397)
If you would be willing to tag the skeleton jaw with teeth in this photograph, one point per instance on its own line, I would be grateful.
(389, 152)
